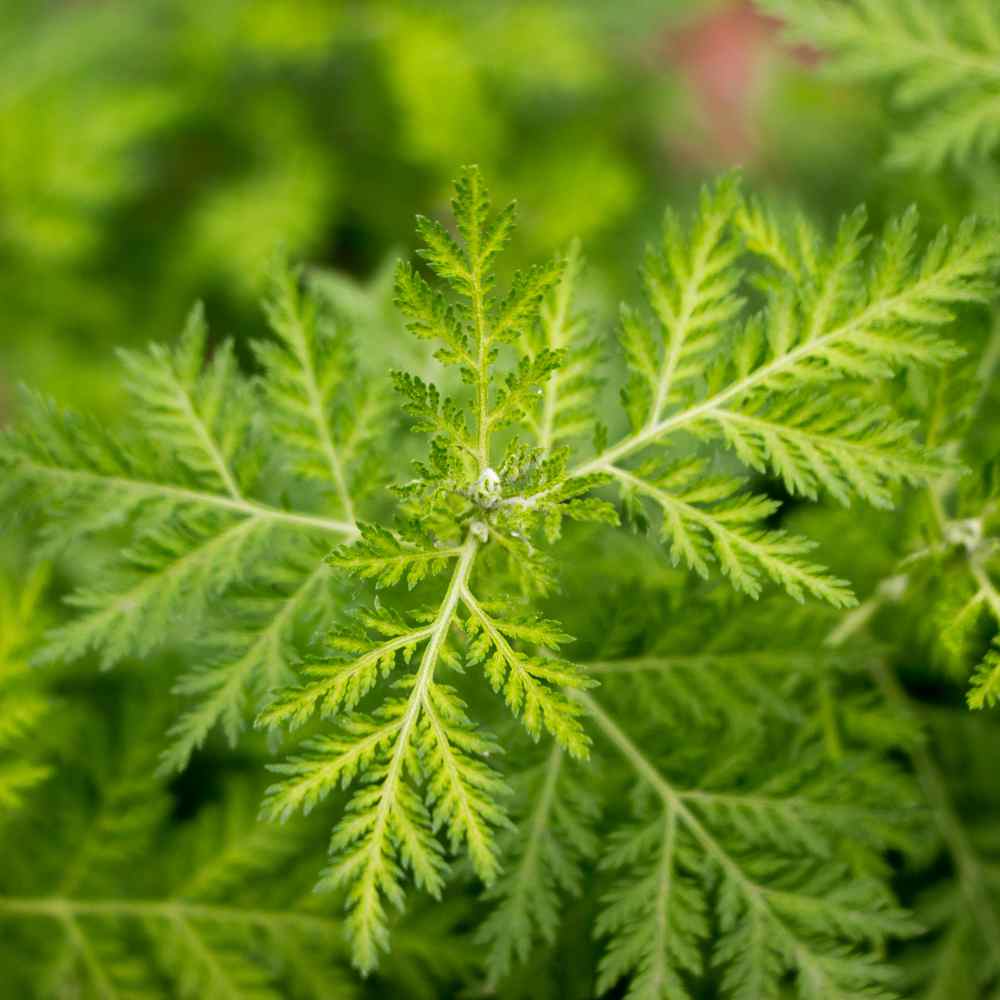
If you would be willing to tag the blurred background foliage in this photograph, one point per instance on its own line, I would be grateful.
(157, 152)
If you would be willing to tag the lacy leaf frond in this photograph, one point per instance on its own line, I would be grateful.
(836, 316)
(204, 522)
(417, 764)
(757, 856)
(940, 59)
(223, 897)
(556, 813)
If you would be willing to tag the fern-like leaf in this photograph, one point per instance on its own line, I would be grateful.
(940, 57)
(310, 384)
(187, 481)
(781, 907)
(546, 863)
(828, 322)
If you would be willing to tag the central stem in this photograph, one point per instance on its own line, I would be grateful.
(482, 370)
(482, 392)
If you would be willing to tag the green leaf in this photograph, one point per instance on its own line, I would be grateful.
(531, 684)
(557, 813)
(386, 557)
(940, 59)
(311, 383)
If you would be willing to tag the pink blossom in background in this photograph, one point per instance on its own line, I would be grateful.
(721, 56)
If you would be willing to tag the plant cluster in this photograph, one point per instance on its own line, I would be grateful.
(723, 764)
(444, 638)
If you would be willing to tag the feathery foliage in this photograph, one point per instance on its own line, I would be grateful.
(210, 510)
(781, 904)
(940, 57)
(546, 863)
(946, 556)
(648, 654)
(822, 322)
(227, 911)
(259, 544)
(702, 832)
(825, 321)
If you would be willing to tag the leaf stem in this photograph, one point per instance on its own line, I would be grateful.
(248, 508)
(415, 704)
(201, 431)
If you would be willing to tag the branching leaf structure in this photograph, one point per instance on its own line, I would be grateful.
(393, 649)
(685, 823)
(207, 505)
(781, 915)
(941, 562)
(547, 862)
(940, 57)
(226, 913)
(824, 323)
(421, 761)
(833, 318)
